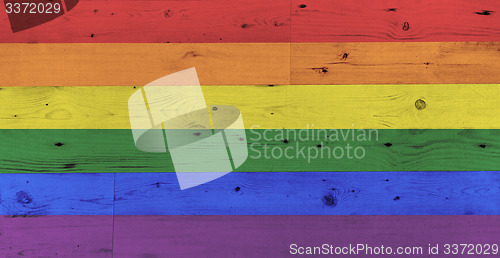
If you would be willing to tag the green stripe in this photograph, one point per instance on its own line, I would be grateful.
(113, 150)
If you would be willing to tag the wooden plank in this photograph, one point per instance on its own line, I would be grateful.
(51, 236)
(56, 194)
(395, 63)
(271, 236)
(248, 193)
(313, 193)
(251, 64)
(113, 150)
(265, 21)
(266, 193)
(389, 21)
(264, 107)
(132, 21)
(139, 64)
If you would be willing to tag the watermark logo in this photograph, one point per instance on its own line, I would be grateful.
(26, 14)
(205, 142)
(310, 144)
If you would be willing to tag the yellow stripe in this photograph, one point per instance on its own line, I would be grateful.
(297, 106)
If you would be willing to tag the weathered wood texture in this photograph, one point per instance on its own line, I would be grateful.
(385, 21)
(144, 21)
(395, 63)
(139, 64)
(251, 64)
(56, 194)
(313, 193)
(283, 57)
(288, 193)
(265, 21)
(268, 107)
(235, 236)
(56, 236)
(114, 150)
(271, 236)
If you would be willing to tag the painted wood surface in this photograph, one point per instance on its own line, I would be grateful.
(271, 236)
(238, 60)
(395, 63)
(57, 194)
(140, 64)
(171, 21)
(56, 236)
(313, 193)
(114, 151)
(268, 107)
(383, 21)
(217, 236)
(251, 64)
(265, 21)
(288, 193)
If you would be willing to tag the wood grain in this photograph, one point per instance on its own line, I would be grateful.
(268, 107)
(271, 236)
(84, 131)
(139, 64)
(217, 236)
(247, 193)
(251, 64)
(389, 21)
(61, 236)
(265, 21)
(113, 150)
(142, 21)
(313, 193)
(56, 194)
(395, 63)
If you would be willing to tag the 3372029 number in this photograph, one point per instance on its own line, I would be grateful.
(33, 8)
(471, 249)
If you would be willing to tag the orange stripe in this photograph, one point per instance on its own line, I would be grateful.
(251, 63)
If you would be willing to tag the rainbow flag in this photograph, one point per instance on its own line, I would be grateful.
(249, 128)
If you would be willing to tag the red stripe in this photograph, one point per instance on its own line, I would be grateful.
(394, 20)
(161, 21)
(247, 21)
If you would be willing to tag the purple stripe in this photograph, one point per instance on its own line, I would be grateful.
(271, 236)
(56, 236)
(230, 236)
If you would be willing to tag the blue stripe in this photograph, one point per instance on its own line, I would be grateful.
(252, 193)
(56, 194)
